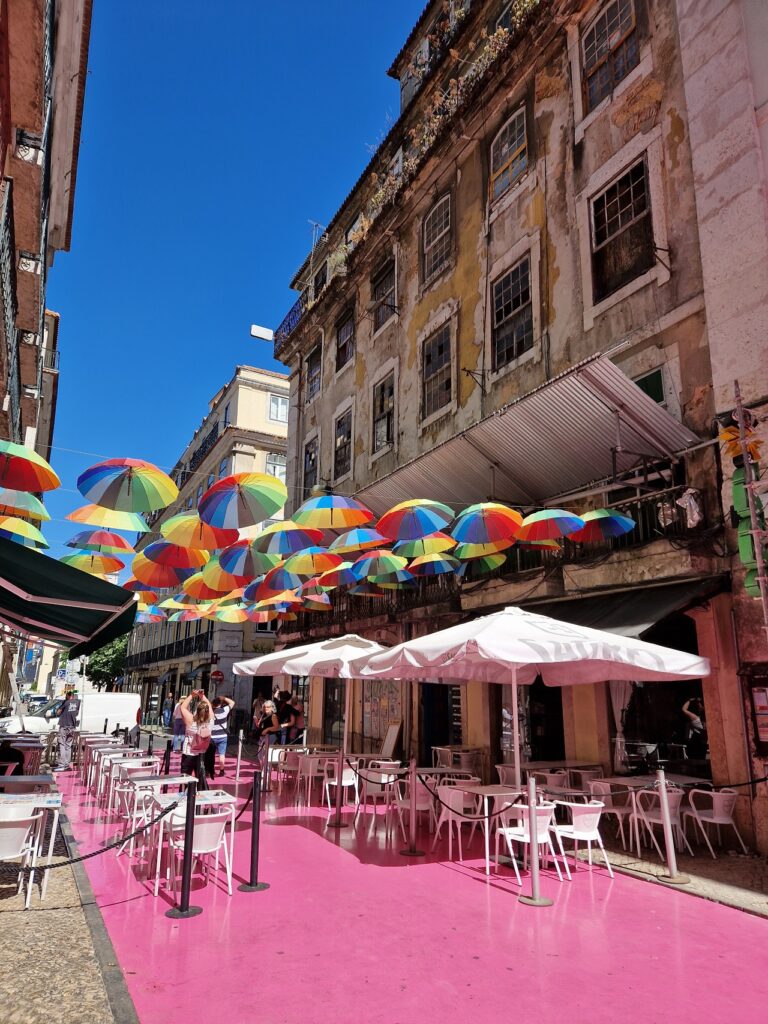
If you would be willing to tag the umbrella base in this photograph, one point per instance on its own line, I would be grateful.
(410, 852)
(677, 879)
(175, 913)
(259, 887)
(535, 901)
(336, 823)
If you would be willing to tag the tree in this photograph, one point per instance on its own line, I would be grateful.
(106, 664)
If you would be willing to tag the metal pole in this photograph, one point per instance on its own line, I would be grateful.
(126, 733)
(410, 850)
(253, 884)
(150, 744)
(673, 876)
(138, 737)
(516, 729)
(535, 899)
(167, 757)
(106, 722)
(239, 754)
(337, 821)
(184, 909)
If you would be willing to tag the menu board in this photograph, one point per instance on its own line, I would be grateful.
(382, 707)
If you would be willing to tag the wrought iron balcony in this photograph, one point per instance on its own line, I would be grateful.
(291, 321)
(204, 447)
(8, 297)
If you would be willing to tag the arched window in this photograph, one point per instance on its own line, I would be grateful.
(509, 154)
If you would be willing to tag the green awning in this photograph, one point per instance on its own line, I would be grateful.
(43, 598)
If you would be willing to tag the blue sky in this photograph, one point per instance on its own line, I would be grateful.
(209, 142)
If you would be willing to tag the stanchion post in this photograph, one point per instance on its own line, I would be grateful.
(184, 910)
(138, 737)
(337, 821)
(253, 884)
(535, 899)
(411, 850)
(150, 744)
(126, 734)
(673, 876)
(239, 754)
(167, 757)
(106, 723)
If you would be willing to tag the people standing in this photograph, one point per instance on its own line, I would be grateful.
(178, 727)
(693, 710)
(299, 724)
(167, 711)
(198, 725)
(221, 709)
(68, 715)
(268, 729)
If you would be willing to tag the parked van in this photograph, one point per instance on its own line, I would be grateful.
(119, 709)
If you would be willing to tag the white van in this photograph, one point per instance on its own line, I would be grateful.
(119, 709)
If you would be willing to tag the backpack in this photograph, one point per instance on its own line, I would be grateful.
(198, 742)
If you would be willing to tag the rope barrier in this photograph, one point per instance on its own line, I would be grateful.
(242, 810)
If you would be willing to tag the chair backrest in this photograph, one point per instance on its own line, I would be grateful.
(443, 757)
(451, 801)
(585, 818)
(719, 804)
(580, 778)
(545, 813)
(506, 773)
(127, 770)
(14, 834)
(7, 767)
(209, 830)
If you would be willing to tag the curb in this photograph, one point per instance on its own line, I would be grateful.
(120, 1002)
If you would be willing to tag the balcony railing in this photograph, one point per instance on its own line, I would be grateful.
(8, 295)
(291, 321)
(204, 447)
(50, 359)
(200, 644)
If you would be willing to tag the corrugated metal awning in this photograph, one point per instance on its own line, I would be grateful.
(556, 439)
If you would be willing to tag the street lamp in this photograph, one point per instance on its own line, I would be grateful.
(262, 333)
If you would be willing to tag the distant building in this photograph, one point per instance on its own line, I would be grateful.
(43, 66)
(243, 431)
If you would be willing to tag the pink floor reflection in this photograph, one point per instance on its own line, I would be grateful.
(350, 931)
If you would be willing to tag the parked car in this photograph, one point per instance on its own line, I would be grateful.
(36, 700)
(119, 709)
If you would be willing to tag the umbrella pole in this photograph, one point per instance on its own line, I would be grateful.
(535, 899)
(515, 729)
(410, 850)
(673, 876)
(336, 821)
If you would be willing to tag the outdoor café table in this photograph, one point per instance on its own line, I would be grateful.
(205, 798)
(102, 762)
(544, 766)
(113, 764)
(151, 784)
(47, 802)
(95, 755)
(9, 783)
(498, 792)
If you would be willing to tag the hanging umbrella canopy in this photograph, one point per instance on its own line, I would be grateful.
(187, 614)
(284, 598)
(146, 596)
(102, 541)
(127, 485)
(476, 567)
(333, 512)
(342, 576)
(23, 469)
(21, 528)
(234, 597)
(229, 614)
(411, 520)
(13, 503)
(433, 565)
(312, 561)
(355, 541)
(391, 580)
(317, 603)
(152, 609)
(378, 563)
(312, 587)
(367, 589)
(486, 523)
(243, 559)
(275, 581)
(89, 562)
(323, 652)
(153, 575)
(133, 584)
(164, 553)
(95, 515)
(260, 616)
(549, 524)
(25, 542)
(197, 589)
(189, 531)
(242, 499)
(147, 618)
(286, 538)
(217, 579)
(182, 601)
(464, 551)
(433, 544)
(602, 523)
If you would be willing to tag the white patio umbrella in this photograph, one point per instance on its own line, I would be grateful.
(272, 664)
(515, 646)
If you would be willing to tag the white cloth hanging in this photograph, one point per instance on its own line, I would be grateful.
(621, 692)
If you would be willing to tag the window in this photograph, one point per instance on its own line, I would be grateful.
(226, 415)
(223, 467)
(622, 232)
(278, 408)
(653, 385)
(276, 465)
(314, 372)
(345, 338)
(199, 493)
(310, 466)
(437, 237)
(320, 278)
(211, 479)
(436, 372)
(384, 413)
(342, 445)
(189, 502)
(351, 235)
(512, 314)
(395, 166)
(509, 154)
(611, 50)
(383, 294)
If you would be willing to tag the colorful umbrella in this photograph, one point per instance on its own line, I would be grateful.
(265, 615)
(433, 565)
(127, 485)
(154, 575)
(95, 515)
(357, 541)
(477, 567)
(99, 564)
(231, 615)
(276, 581)
(549, 524)
(312, 561)
(186, 615)
(378, 563)
(312, 588)
(548, 545)
(287, 616)
(342, 576)
(133, 584)
(602, 523)
(182, 601)
(486, 523)
(20, 503)
(147, 596)
(243, 499)
(152, 609)
(217, 579)
(26, 542)
(145, 618)
(318, 603)
(242, 559)
(189, 531)
(464, 551)
(10, 525)
(433, 544)
(393, 580)
(164, 553)
(196, 588)
(285, 538)
(24, 470)
(333, 512)
(234, 597)
(103, 541)
(367, 590)
(284, 597)
(413, 519)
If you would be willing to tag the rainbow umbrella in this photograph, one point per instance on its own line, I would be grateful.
(127, 485)
(20, 503)
(25, 542)
(318, 603)
(182, 601)
(393, 580)
(433, 544)
(11, 526)
(242, 499)
(231, 615)
(285, 538)
(92, 563)
(164, 553)
(265, 615)
(284, 597)
(147, 596)
(549, 524)
(378, 563)
(476, 567)
(133, 584)
(333, 512)
(143, 606)
(342, 576)
(189, 531)
(196, 588)
(312, 588)
(548, 545)
(486, 523)
(243, 559)
(154, 575)
(464, 551)
(234, 597)
(103, 541)
(145, 618)
(312, 561)
(23, 469)
(276, 581)
(357, 540)
(602, 523)
(186, 615)
(413, 519)
(433, 565)
(367, 590)
(287, 616)
(95, 515)
(217, 579)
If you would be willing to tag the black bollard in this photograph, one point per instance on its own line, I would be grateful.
(138, 738)
(167, 758)
(184, 909)
(253, 884)
(126, 734)
(150, 744)
(106, 723)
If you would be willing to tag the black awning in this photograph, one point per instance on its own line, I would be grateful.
(634, 611)
(43, 598)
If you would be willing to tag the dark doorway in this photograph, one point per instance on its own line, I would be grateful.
(333, 711)
(440, 718)
(545, 722)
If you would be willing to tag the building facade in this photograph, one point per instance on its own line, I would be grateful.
(541, 291)
(43, 66)
(243, 431)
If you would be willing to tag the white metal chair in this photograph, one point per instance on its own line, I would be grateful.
(442, 757)
(424, 803)
(712, 808)
(506, 773)
(19, 839)
(551, 781)
(583, 827)
(209, 838)
(648, 804)
(453, 813)
(580, 778)
(520, 833)
(619, 805)
(310, 769)
(287, 768)
(377, 787)
(348, 779)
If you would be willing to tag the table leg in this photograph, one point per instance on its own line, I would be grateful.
(54, 826)
(487, 829)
